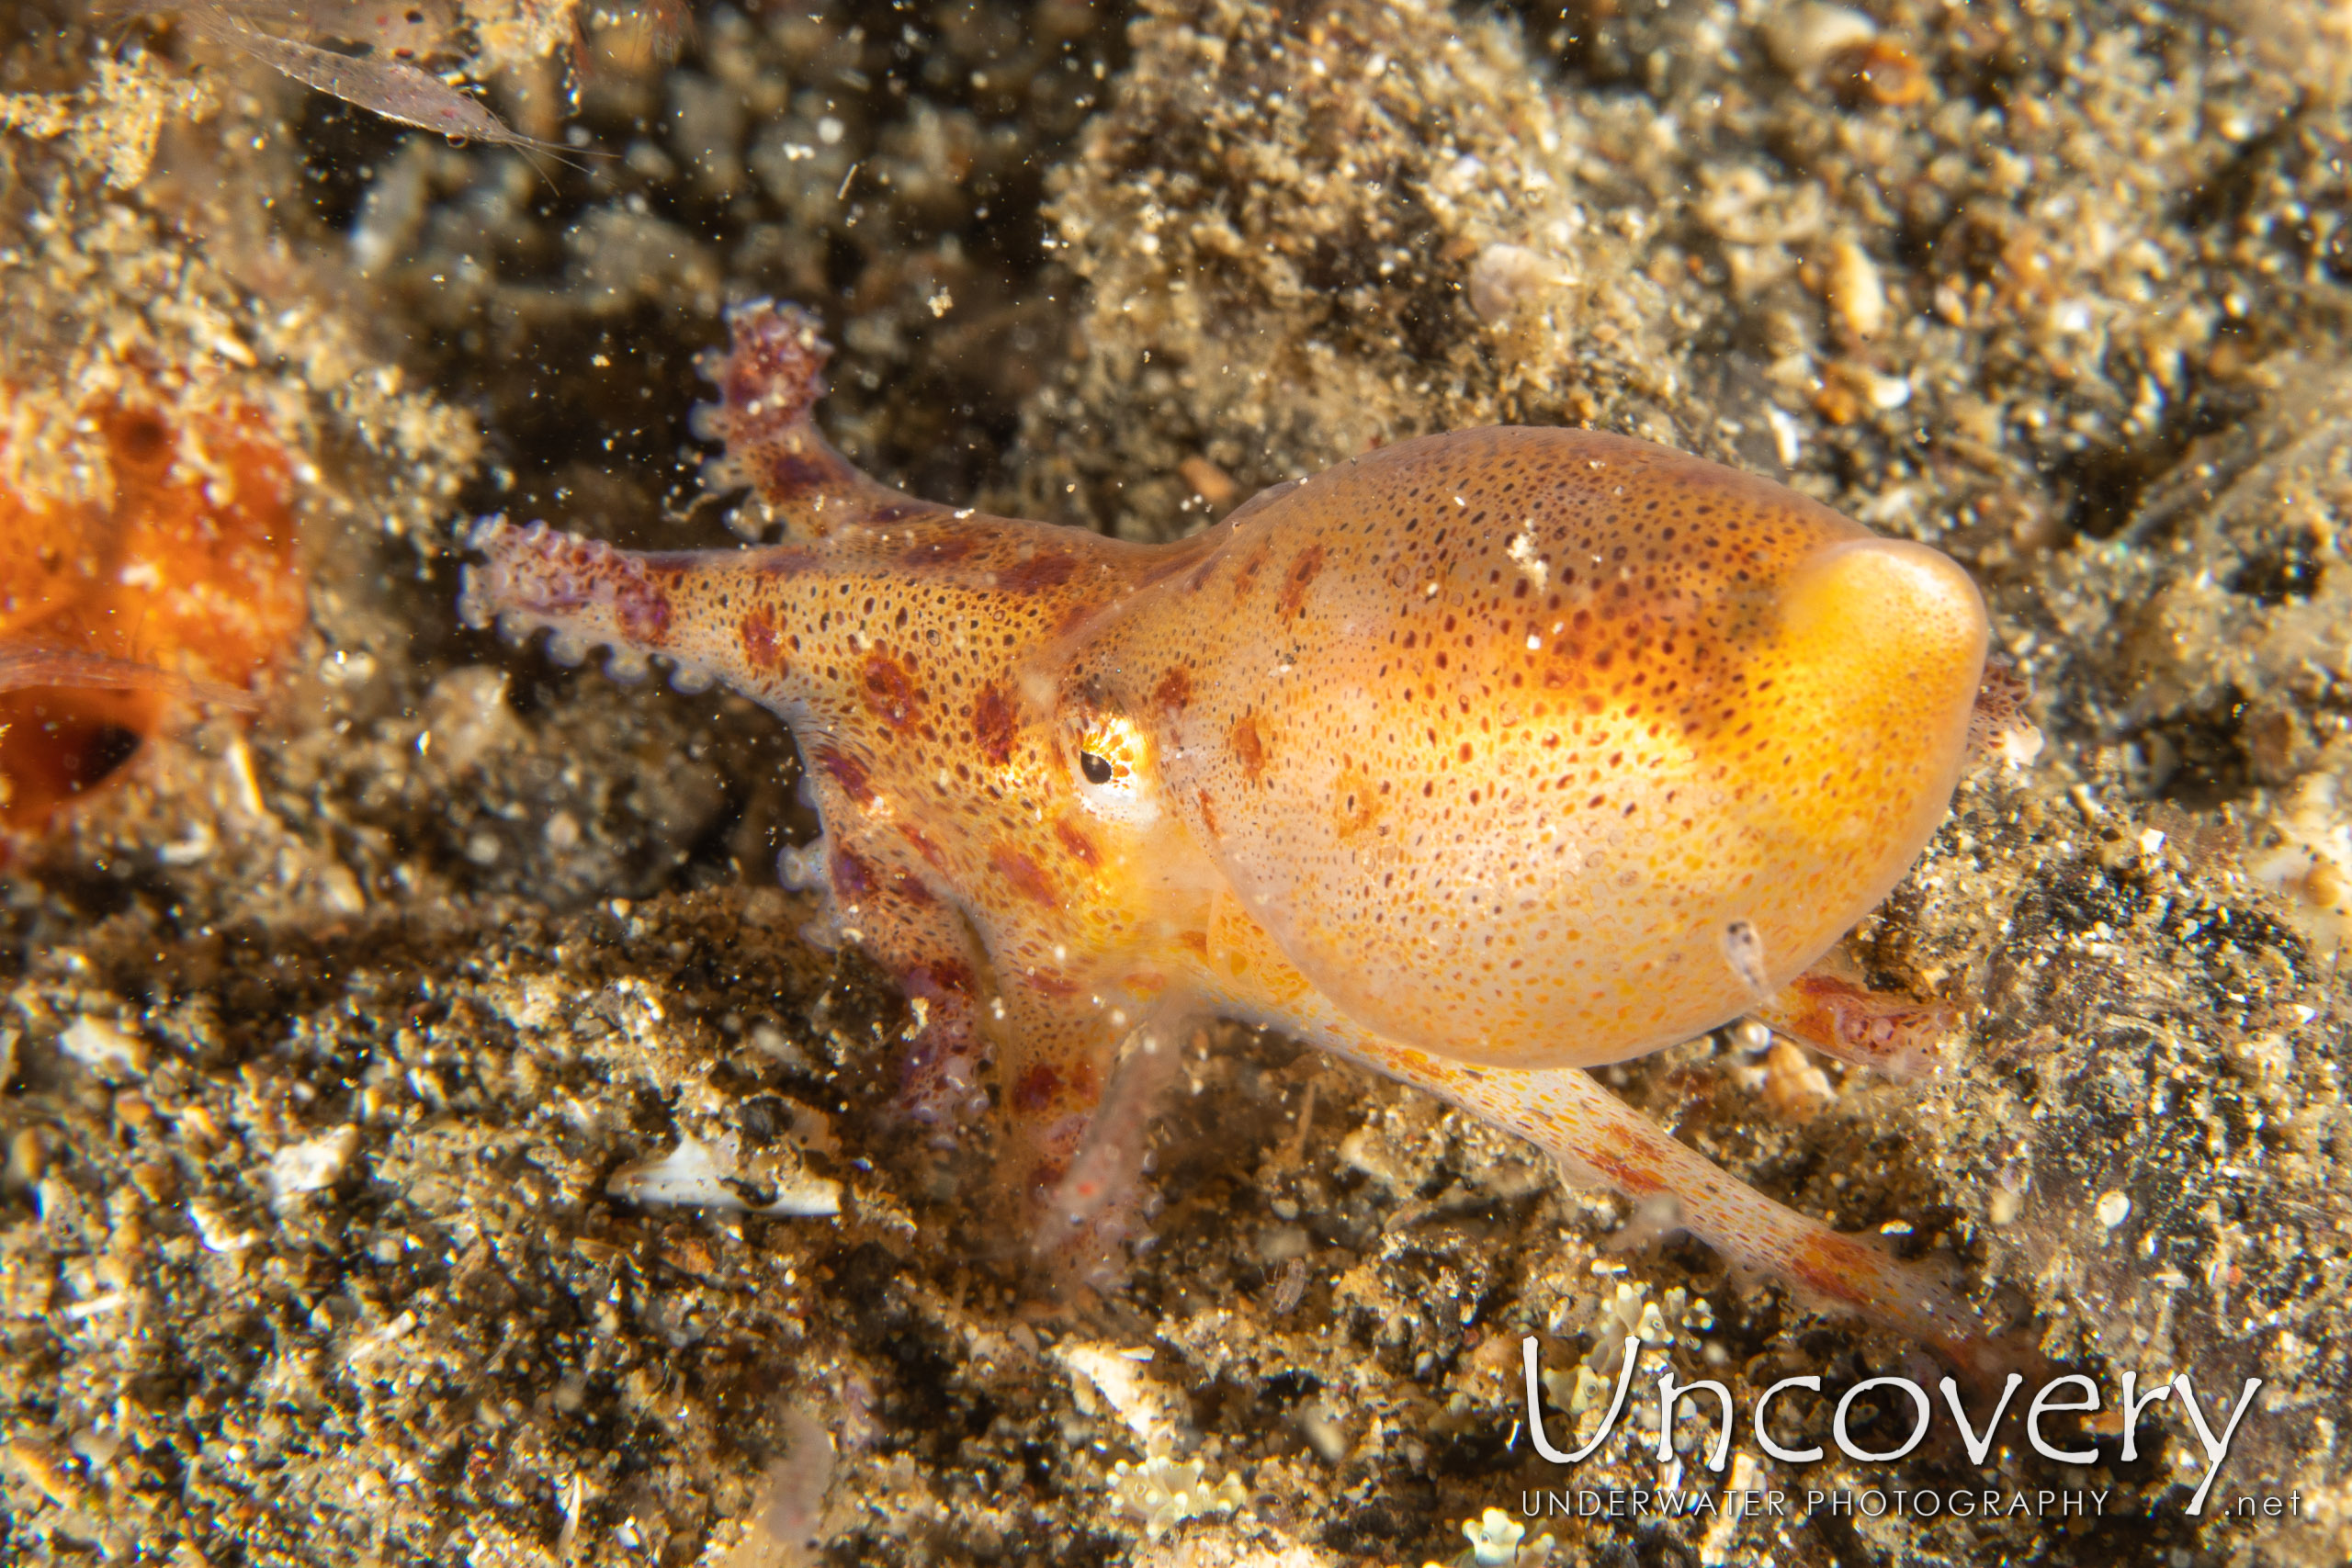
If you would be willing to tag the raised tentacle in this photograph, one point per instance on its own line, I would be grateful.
(769, 381)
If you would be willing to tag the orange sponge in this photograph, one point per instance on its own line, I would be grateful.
(181, 585)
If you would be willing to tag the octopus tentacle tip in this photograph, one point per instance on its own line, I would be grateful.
(482, 586)
(749, 309)
(476, 610)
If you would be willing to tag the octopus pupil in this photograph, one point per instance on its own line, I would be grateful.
(1096, 769)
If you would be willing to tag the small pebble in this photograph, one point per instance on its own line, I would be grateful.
(313, 1165)
(103, 1047)
(1803, 38)
(1209, 482)
(1506, 278)
(1854, 290)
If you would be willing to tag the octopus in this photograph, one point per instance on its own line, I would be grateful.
(1482, 760)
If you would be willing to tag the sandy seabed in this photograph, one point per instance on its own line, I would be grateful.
(328, 1036)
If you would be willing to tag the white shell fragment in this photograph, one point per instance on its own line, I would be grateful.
(1805, 37)
(311, 1166)
(219, 1229)
(1855, 292)
(705, 1175)
(1506, 278)
(1114, 1376)
(105, 1048)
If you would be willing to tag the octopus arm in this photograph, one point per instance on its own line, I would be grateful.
(1895, 1036)
(769, 381)
(1600, 1141)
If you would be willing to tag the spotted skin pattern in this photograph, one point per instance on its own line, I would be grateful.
(1460, 759)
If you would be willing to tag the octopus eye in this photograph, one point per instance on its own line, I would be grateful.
(1114, 771)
